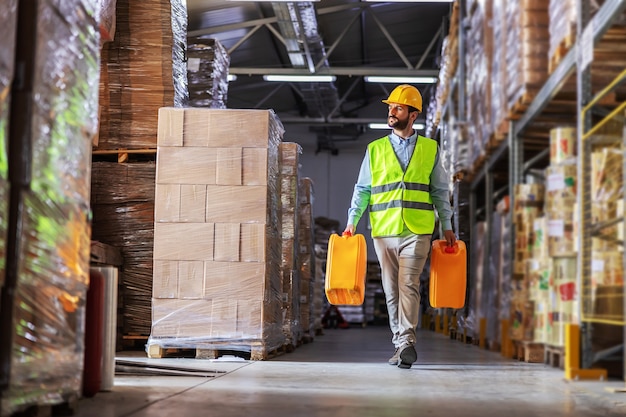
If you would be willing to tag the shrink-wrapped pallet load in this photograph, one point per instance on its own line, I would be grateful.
(478, 84)
(310, 299)
(217, 242)
(142, 69)
(53, 121)
(526, 53)
(290, 221)
(207, 73)
(560, 208)
(528, 205)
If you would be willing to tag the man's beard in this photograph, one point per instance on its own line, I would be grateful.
(397, 124)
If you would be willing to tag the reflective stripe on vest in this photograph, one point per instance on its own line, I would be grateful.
(397, 197)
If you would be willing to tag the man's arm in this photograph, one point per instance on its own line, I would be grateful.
(440, 195)
(360, 196)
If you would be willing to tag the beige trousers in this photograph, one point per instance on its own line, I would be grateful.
(401, 261)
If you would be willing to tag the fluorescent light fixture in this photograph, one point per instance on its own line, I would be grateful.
(232, 77)
(301, 78)
(416, 126)
(401, 80)
(409, 1)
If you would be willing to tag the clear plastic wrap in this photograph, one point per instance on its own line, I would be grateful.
(52, 261)
(290, 213)
(310, 307)
(563, 15)
(207, 72)
(560, 205)
(122, 201)
(217, 234)
(8, 22)
(491, 281)
(143, 69)
(526, 51)
(106, 18)
(479, 67)
(475, 310)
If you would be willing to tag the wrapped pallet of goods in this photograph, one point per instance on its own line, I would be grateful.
(207, 73)
(498, 110)
(310, 298)
(526, 53)
(528, 205)
(290, 221)
(539, 275)
(562, 27)
(561, 208)
(53, 121)
(8, 23)
(564, 298)
(217, 248)
(142, 70)
(478, 85)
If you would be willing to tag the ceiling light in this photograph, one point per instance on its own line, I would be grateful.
(232, 77)
(401, 80)
(410, 1)
(416, 126)
(301, 78)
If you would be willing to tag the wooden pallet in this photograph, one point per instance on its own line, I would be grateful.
(530, 352)
(124, 155)
(559, 53)
(134, 341)
(254, 351)
(555, 356)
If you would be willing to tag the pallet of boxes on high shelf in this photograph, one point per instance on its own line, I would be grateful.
(217, 243)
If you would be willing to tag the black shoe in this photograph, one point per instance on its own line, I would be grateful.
(408, 356)
(395, 359)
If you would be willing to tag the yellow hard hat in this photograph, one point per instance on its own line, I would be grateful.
(407, 95)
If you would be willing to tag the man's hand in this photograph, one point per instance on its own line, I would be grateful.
(350, 229)
(450, 237)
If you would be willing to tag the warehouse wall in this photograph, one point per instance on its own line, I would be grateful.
(333, 175)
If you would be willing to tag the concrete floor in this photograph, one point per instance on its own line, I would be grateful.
(344, 373)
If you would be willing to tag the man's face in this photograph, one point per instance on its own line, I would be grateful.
(398, 116)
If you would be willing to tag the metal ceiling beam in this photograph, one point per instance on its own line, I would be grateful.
(349, 71)
(287, 119)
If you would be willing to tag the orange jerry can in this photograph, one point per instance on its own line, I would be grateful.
(448, 275)
(346, 264)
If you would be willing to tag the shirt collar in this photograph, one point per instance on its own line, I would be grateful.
(395, 139)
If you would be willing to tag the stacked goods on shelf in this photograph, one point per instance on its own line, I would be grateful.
(290, 221)
(142, 69)
(53, 118)
(122, 202)
(478, 84)
(310, 295)
(496, 284)
(562, 27)
(607, 256)
(526, 53)
(528, 206)
(499, 115)
(475, 312)
(7, 63)
(207, 73)
(560, 208)
(564, 298)
(447, 69)
(217, 249)
(539, 276)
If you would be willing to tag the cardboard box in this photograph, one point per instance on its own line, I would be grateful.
(227, 242)
(253, 242)
(176, 165)
(229, 166)
(236, 204)
(183, 241)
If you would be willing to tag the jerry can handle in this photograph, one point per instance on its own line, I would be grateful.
(449, 249)
(346, 234)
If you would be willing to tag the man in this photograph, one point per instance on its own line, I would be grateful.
(400, 179)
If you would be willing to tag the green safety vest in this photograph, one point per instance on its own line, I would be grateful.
(401, 198)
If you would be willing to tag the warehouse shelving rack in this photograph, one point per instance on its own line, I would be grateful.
(512, 149)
